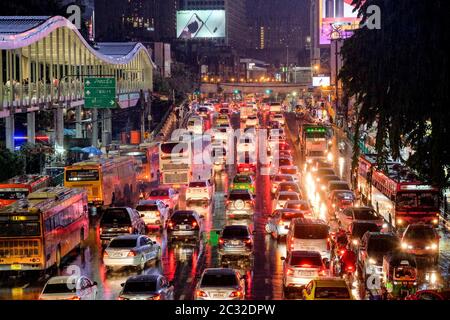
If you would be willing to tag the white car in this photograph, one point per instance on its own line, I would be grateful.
(283, 197)
(246, 144)
(69, 288)
(221, 134)
(199, 190)
(155, 212)
(195, 125)
(252, 121)
(220, 284)
(279, 118)
(132, 250)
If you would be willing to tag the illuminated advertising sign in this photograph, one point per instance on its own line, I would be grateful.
(336, 15)
(321, 81)
(194, 24)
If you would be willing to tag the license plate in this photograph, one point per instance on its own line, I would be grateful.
(305, 273)
(16, 267)
(117, 254)
(182, 227)
(235, 242)
(218, 295)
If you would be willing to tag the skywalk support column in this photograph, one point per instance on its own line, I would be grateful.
(31, 127)
(9, 134)
(94, 127)
(59, 126)
(78, 124)
(107, 127)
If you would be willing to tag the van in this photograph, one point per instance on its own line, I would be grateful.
(119, 221)
(309, 235)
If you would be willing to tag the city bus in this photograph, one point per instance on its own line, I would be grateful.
(175, 163)
(396, 193)
(37, 232)
(19, 187)
(146, 159)
(108, 181)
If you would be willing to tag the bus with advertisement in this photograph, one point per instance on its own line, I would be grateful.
(175, 163)
(397, 193)
(146, 161)
(19, 187)
(108, 181)
(37, 232)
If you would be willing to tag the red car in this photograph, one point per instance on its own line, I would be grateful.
(167, 195)
(430, 295)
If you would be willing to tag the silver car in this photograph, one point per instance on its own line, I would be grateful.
(240, 203)
(69, 288)
(220, 284)
(131, 250)
(147, 287)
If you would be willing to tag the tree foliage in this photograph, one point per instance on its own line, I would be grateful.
(11, 164)
(399, 77)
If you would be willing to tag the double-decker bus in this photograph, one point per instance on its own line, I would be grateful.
(396, 193)
(146, 161)
(38, 231)
(175, 162)
(314, 141)
(19, 187)
(108, 181)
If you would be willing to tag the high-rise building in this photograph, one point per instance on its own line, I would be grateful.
(135, 20)
(235, 18)
(279, 31)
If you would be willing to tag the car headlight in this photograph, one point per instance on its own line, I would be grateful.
(406, 245)
(372, 261)
(434, 246)
(355, 242)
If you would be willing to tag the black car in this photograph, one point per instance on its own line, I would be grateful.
(184, 225)
(235, 241)
(357, 229)
(147, 287)
(118, 221)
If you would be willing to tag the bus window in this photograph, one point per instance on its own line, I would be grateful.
(82, 175)
(12, 226)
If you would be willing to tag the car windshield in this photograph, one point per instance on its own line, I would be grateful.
(13, 195)
(345, 196)
(283, 178)
(139, 286)
(235, 232)
(116, 216)
(219, 280)
(60, 288)
(339, 186)
(305, 261)
(289, 196)
(147, 207)
(365, 214)
(242, 179)
(298, 206)
(359, 230)
(406, 200)
(420, 233)
(199, 184)
(332, 293)
(311, 231)
(430, 200)
(240, 196)
(159, 193)
(122, 243)
(182, 217)
(381, 245)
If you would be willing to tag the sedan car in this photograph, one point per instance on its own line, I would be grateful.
(327, 289)
(279, 178)
(155, 212)
(292, 170)
(252, 121)
(284, 196)
(338, 200)
(220, 284)
(199, 190)
(235, 241)
(147, 287)
(421, 240)
(131, 250)
(167, 195)
(243, 182)
(303, 206)
(356, 231)
(239, 203)
(183, 225)
(351, 214)
(278, 223)
(69, 288)
(289, 187)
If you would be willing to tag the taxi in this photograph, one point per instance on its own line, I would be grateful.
(243, 182)
(330, 288)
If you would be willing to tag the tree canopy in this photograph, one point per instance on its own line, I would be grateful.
(398, 75)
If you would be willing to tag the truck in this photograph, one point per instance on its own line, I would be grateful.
(314, 141)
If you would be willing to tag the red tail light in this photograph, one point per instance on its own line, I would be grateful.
(194, 224)
(130, 229)
(305, 265)
(201, 293)
(221, 241)
(350, 268)
(120, 298)
(155, 297)
(323, 272)
(74, 298)
(236, 294)
(342, 252)
(170, 225)
(100, 230)
(158, 213)
(248, 242)
(131, 254)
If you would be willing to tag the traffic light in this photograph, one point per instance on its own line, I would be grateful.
(236, 91)
(268, 91)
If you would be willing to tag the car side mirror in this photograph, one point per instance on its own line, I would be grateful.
(254, 232)
(94, 283)
(122, 285)
(167, 205)
(142, 215)
(225, 196)
(202, 216)
(154, 242)
(282, 258)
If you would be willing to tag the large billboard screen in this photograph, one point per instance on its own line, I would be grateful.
(193, 24)
(321, 81)
(336, 15)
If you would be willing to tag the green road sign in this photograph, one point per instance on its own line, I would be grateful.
(99, 92)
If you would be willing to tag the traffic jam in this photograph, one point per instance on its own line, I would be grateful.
(247, 200)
